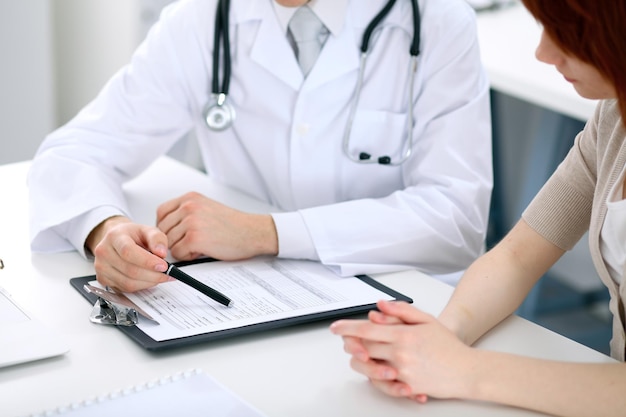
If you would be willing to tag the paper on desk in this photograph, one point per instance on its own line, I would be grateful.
(190, 394)
(263, 290)
(10, 313)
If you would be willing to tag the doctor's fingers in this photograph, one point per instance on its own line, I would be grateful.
(121, 263)
(121, 283)
(179, 207)
(191, 238)
(223, 233)
(122, 277)
(140, 245)
(195, 226)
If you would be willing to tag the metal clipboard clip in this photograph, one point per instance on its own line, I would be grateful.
(114, 308)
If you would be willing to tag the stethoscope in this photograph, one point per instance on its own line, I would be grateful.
(219, 114)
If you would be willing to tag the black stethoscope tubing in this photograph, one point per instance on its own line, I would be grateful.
(415, 43)
(219, 115)
(221, 33)
(364, 157)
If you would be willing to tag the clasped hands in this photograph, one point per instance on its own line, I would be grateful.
(130, 257)
(405, 352)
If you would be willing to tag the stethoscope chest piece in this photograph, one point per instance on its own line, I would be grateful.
(218, 114)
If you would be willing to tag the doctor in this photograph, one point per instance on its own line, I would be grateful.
(424, 206)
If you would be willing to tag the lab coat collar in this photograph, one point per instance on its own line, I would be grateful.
(271, 50)
(331, 12)
(339, 56)
(341, 53)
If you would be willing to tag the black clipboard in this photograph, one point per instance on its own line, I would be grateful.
(144, 340)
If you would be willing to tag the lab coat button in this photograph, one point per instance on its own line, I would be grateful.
(303, 129)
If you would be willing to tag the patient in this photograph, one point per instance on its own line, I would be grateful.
(407, 353)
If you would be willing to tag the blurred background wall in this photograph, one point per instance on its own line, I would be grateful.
(56, 55)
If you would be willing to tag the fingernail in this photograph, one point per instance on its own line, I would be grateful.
(160, 267)
(161, 249)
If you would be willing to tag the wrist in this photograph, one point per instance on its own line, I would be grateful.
(262, 235)
(472, 375)
(452, 322)
(265, 235)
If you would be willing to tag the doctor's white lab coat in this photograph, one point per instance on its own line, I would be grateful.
(285, 146)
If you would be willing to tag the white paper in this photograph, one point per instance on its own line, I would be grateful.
(189, 394)
(10, 312)
(263, 290)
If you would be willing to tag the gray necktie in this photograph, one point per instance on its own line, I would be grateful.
(309, 33)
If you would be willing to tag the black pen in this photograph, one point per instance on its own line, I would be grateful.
(174, 272)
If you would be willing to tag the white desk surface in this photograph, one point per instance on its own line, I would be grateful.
(508, 38)
(299, 371)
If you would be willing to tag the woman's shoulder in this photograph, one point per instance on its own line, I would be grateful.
(608, 111)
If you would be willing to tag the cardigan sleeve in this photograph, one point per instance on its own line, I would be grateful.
(561, 211)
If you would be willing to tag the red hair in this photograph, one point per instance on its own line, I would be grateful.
(591, 30)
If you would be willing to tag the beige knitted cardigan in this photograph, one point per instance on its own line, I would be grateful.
(574, 199)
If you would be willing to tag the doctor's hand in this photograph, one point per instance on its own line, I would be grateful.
(128, 256)
(407, 353)
(198, 226)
